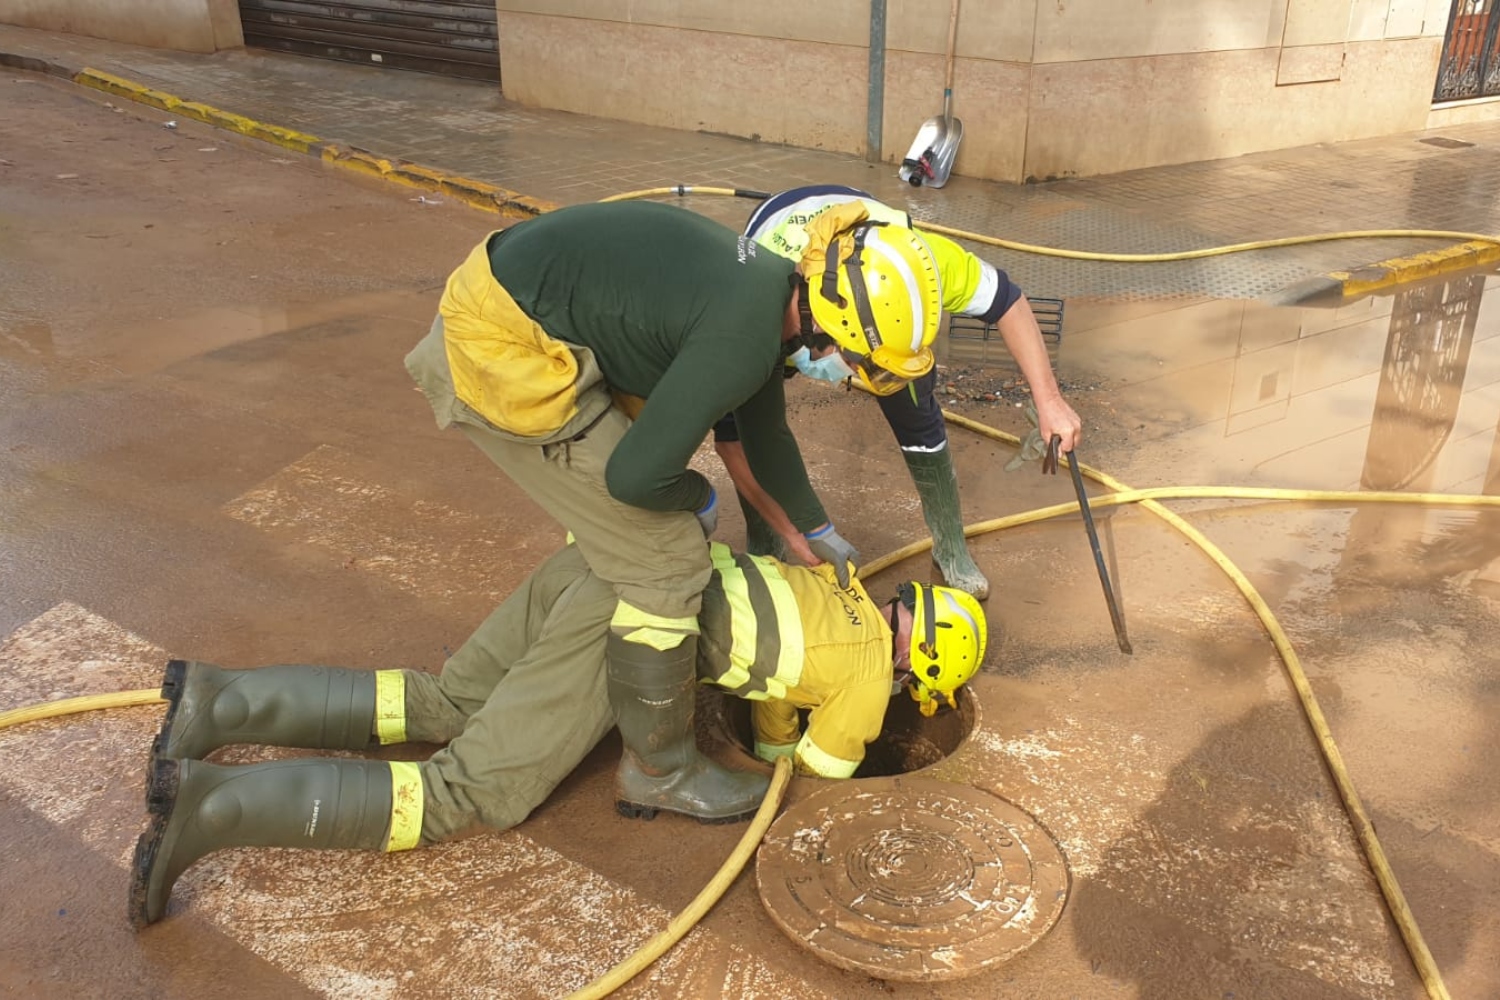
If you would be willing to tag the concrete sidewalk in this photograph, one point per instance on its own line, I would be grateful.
(539, 157)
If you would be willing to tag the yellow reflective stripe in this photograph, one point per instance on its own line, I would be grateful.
(825, 765)
(628, 616)
(790, 657)
(656, 638)
(963, 274)
(569, 539)
(406, 806)
(390, 706)
(769, 752)
(743, 628)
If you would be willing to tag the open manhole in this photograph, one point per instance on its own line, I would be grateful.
(908, 741)
(911, 879)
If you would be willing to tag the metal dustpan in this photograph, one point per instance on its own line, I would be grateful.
(929, 161)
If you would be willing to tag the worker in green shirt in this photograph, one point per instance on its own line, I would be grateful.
(588, 352)
(522, 702)
(792, 222)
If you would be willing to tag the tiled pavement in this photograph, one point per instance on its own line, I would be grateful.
(1395, 182)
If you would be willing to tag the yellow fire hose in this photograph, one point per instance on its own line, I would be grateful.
(682, 190)
(704, 901)
(1149, 498)
(1364, 830)
(87, 703)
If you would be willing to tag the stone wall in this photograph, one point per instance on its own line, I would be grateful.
(1044, 88)
(186, 25)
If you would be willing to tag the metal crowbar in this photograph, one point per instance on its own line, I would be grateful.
(1049, 467)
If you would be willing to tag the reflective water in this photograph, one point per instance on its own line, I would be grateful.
(1391, 392)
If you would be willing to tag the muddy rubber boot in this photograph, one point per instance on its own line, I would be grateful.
(652, 692)
(937, 485)
(319, 708)
(760, 538)
(197, 808)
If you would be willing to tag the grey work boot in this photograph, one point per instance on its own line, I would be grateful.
(197, 808)
(652, 693)
(319, 708)
(937, 485)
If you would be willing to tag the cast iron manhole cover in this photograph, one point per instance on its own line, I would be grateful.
(910, 878)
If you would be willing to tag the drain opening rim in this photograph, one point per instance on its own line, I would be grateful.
(941, 738)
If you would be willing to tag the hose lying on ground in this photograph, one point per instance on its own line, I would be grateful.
(682, 190)
(1149, 498)
(689, 917)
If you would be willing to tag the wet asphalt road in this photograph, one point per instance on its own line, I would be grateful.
(209, 448)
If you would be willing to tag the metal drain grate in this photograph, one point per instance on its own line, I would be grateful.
(1049, 319)
(911, 879)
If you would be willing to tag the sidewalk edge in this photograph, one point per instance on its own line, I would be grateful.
(476, 194)
(1400, 270)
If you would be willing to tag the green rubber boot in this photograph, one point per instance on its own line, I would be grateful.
(937, 485)
(652, 693)
(319, 708)
(197, 808)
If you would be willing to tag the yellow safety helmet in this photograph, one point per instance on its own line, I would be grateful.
(875, 289)
(948, 636)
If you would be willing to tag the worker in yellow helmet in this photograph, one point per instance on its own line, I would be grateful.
(873, 290)
(542, 334)
(521, 703)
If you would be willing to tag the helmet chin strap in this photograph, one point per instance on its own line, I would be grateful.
(804, 307)
(807, 330)
(902, 674)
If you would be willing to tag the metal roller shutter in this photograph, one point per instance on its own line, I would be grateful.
(447, 37)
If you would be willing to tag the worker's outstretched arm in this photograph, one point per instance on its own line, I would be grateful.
(1024, 341)
(732, 453)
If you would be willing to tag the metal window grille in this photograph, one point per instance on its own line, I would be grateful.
(1470, 66)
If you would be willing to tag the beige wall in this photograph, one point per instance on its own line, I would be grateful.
(1045, 89)
(188, 25)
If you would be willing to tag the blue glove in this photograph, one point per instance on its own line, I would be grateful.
(829, 546)
(708, 516)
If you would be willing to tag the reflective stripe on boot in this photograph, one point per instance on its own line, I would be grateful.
(318, 708)
(197, 808)
(652, 692)
(937, 486)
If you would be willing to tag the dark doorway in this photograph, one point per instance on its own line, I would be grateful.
(446, 37)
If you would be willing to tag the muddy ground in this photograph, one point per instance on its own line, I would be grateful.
(209, 448)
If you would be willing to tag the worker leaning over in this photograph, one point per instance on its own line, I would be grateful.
(835, 231)
(539, 333)
(521, 703)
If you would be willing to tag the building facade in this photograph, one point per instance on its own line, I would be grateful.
(1044, 88)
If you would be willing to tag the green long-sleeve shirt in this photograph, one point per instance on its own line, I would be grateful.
(679, 311)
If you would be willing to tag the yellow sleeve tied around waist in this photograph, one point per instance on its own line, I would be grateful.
(504, 365)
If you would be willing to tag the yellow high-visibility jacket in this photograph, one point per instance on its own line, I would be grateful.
(787, 638)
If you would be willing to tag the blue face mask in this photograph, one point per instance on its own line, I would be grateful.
(832, 368)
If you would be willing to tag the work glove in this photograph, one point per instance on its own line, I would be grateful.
(708, 514)
(1032, 445)
(829, 546)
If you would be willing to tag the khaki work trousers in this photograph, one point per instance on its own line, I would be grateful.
(655, 560)
(520, 704)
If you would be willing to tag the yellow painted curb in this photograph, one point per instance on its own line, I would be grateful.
(476, 194)
(1399, 270)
